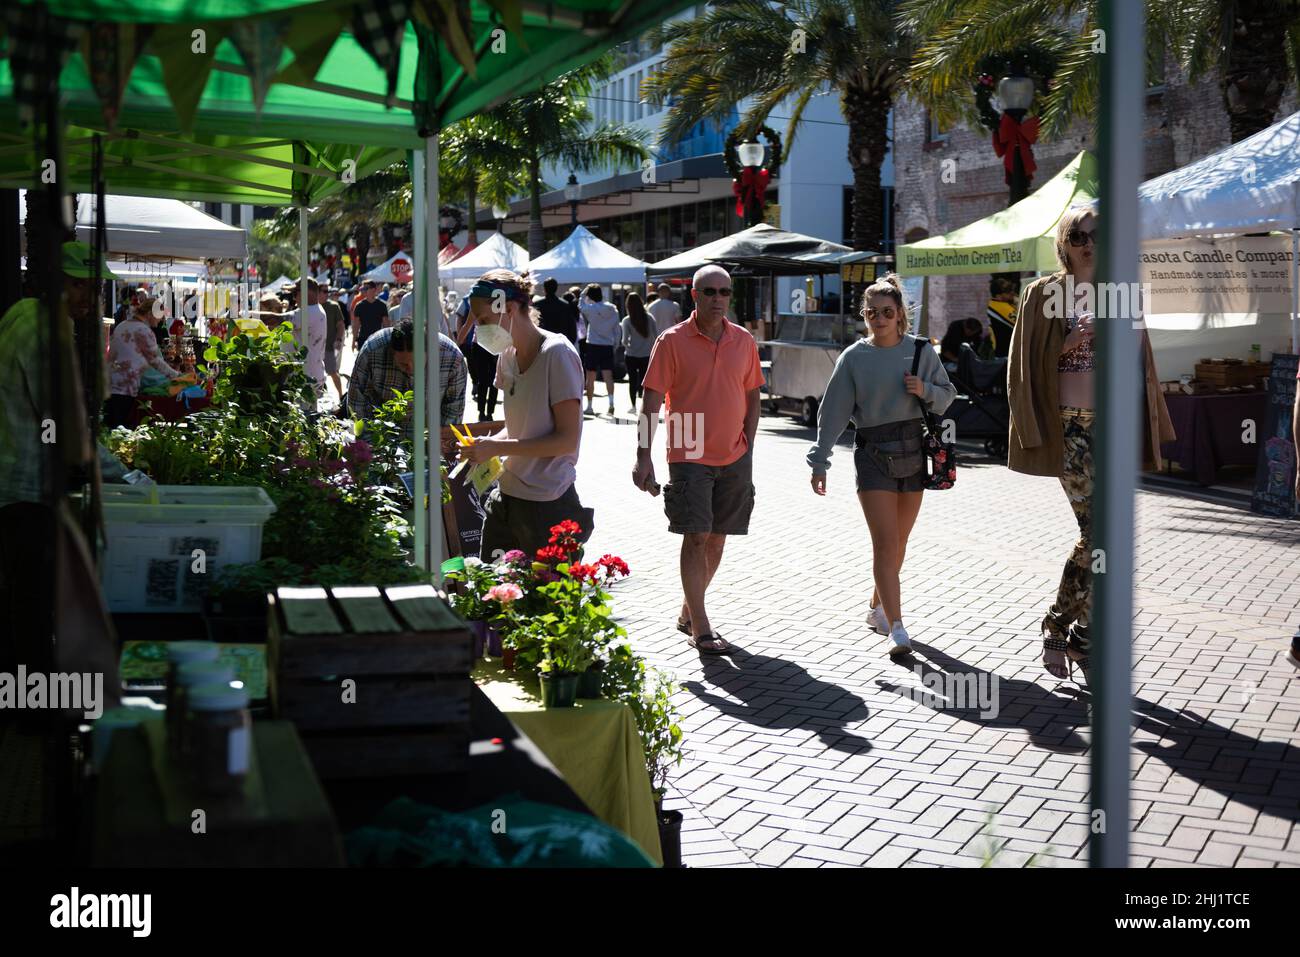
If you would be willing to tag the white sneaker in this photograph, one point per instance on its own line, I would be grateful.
(877, 620)
(902, 644)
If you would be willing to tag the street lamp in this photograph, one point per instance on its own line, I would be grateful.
(1015, 95)
(571, 192)
(499, 213)
(751, 157)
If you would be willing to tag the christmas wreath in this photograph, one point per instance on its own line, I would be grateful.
(1012, 136)
(1035, 63)
(749, 183)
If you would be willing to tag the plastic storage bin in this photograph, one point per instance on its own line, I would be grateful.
(166, 543)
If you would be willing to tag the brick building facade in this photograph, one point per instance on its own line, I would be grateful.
(1184, 121)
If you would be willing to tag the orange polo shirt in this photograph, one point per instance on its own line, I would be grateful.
(706, 385)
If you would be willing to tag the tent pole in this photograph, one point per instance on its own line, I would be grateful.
(419, 313)
(302, 274)
(1295, 291)
(1117, 433)
(428, 278)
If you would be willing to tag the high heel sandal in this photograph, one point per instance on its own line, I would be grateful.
(1052, 641)
(1077, 656)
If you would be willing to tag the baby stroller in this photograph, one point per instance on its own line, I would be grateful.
(981, 409)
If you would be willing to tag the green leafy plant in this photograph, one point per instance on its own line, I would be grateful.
(258, 371)
(661, 736)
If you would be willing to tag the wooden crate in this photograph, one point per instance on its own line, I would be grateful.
(410, 658)
(1229, 373)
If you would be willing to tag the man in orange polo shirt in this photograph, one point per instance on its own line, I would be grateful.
(708, 369)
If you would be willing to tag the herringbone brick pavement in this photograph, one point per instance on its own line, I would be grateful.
(811, 748)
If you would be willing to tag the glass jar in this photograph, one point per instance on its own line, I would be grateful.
(196, 673)
(181, 653)
(220, 733)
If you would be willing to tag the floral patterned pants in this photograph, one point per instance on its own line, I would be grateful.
(1068, 617)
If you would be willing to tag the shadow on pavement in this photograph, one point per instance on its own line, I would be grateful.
(1051, 720)
(1264, 775)
(778, 694)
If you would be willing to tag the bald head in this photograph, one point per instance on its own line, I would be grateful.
(712, 286)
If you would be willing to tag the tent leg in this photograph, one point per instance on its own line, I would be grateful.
(417, 412)
(428, 279)
(1295, 291)
(302, 274)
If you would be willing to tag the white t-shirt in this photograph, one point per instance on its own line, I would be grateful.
(603, 326)
(666, 314)
(313, 339)
(555, 376)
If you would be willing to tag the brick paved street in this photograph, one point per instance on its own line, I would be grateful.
(812, 749)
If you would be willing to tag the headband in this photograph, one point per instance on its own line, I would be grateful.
(487, 289)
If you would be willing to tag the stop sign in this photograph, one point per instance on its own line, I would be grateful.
(401, 270)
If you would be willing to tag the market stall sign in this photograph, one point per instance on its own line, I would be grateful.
(1209, 283)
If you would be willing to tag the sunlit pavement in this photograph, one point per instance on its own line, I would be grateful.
(811, 749)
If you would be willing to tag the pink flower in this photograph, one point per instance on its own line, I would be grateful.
(505, 593)
(513, 556)
(358, 452)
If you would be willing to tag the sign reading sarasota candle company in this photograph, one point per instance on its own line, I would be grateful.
(1210, 283)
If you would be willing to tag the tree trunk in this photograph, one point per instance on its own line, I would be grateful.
(535, 239)
(867, 114)
(1255, 74)
(471, 195)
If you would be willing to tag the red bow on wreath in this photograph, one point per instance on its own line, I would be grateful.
(750, 188)
(1012, 136)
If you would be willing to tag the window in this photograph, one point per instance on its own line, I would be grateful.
(934, 132)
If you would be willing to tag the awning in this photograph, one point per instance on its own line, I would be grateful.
(583, 258)
(762, 248)
(1021, 238)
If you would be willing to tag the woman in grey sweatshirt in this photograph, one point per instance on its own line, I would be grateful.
(872, 385)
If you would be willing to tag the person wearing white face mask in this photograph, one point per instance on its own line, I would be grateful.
(541, 378)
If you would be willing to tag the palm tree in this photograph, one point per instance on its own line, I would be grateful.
(753, 49)
(554, 125)
(354, 211)
(1255, 45)
(476, 161)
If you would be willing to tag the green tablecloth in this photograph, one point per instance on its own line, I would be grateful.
(594, 745)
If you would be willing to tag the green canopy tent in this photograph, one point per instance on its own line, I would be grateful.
(190, 124)
(1021, 238)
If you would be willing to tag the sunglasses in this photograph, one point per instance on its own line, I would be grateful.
(724, 292)
(887, 312)
(1079, 237)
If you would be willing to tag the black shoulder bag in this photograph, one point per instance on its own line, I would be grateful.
(941, 455)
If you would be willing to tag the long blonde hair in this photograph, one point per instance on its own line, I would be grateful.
(890, 285)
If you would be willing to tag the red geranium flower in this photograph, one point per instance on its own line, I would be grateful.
(551, 553)
(582, 572)
(613, 565)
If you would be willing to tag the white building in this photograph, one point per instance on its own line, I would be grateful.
(690, 200)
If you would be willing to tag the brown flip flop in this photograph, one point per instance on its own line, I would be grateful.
(684, 625)
(695, 640)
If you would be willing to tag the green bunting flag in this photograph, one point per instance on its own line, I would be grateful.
(260, 44)
(310, 39)
(109, 51)
(378, 27)
(185, 52)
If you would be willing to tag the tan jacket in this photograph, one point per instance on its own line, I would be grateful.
(1037, 442)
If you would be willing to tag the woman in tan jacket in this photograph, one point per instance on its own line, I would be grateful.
(1050, 382)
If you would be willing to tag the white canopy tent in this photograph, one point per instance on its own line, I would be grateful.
(141, 227)
(584, 258)
(495, 252)
(399, 268)
(1249, 187)
(284, 282)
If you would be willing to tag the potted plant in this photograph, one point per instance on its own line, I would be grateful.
(662, 738)
(472, 601)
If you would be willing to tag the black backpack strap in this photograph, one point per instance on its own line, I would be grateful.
(916, 357)
(921, 346)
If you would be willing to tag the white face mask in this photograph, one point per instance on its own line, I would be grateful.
(494, 338)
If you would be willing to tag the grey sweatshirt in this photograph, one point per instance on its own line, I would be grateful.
(867, 387)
